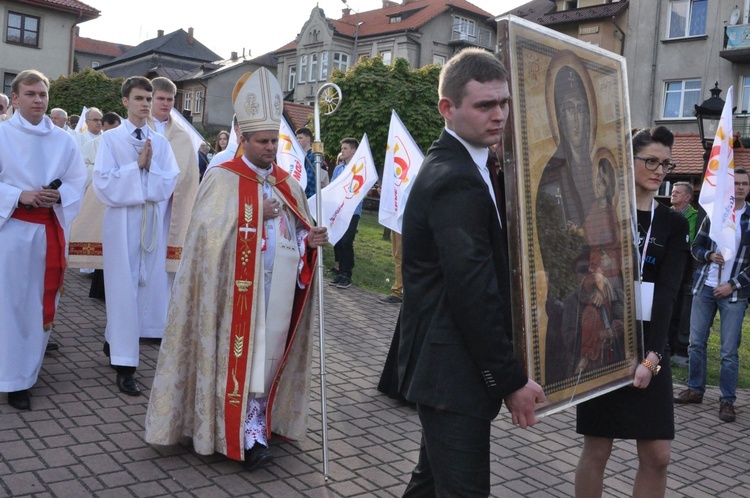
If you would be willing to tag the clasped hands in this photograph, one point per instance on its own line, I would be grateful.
(145, 155)
(44, 198)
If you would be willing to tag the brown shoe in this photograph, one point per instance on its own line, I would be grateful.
(688, 396)
(726, 411)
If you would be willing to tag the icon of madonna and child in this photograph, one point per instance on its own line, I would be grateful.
(580, 234)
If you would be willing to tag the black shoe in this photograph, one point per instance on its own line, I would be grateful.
(105, 349)
(336, 280)
(390, 299)
(52, 346)
(20, 400)
(127, 384)
(344, 283)
(257, 457)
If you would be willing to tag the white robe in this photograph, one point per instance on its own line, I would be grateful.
(223, 156)
(84, 137)
(135, 279)
(30, 156)
(88, 151)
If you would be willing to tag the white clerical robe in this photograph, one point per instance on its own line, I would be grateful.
(223, 156)
(134, 237)
(84, 137)
(30, 156)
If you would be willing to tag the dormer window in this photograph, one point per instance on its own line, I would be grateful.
(394, 19)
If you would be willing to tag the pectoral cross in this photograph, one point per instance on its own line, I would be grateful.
(247, 229)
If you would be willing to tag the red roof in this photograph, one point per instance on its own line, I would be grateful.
(687, 154)
(300, 114)
(80, 9)
(91, 46)
(414, 14)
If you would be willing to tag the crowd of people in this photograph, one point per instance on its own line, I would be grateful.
(216, 260)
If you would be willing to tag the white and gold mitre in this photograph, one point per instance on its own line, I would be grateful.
(258, 101)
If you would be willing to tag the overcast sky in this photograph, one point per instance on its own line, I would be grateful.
(226, 26)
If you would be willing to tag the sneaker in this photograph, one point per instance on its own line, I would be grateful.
(726, 411)
(344, 283)
(335, 280)
(390, 299)
(688, 396)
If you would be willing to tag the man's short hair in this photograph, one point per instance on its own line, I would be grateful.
(28, 77)
(136, 82)
(741, 171)
(111, 118)
(469, 64)
(688, 187)
(164, 84)
(90, 109)
(353, 142)
(304, 131)
(58, 110)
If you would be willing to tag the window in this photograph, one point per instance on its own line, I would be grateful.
(341, 61)
(302, 68)
(313, 67)
(463, 29)
(94, 64)
(324, 66)
(687, 18)
(387, 56)
(8, 83)
(394, 19)
(680, 98)
(292, 78)
(22, 29)
(571, 4)
(188, 101)
(438, 59)
(198, 102)
(745, 101)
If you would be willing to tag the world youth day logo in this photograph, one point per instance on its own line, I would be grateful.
(359, 176)
(401, 162)
(716, 159)
(285, 147)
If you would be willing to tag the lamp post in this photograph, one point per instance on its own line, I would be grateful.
(709, 116)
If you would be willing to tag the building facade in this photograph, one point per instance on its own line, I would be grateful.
(421, 31)
(39, 34)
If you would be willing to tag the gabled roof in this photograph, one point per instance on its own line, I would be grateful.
(79, 9)
(687, 154)
(175, 44)
(414, 14)
(100, 47)
(209, 70)
(544, 12)
(300, 114)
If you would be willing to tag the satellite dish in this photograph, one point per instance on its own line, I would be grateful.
(735, 17)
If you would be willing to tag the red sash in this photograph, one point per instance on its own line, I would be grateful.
(250, 223)
(54, 269)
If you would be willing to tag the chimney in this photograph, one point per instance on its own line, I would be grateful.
(190, 36)
(345, 12)
(160, 33)
(234, 56)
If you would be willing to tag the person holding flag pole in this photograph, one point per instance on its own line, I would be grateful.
(723, 281)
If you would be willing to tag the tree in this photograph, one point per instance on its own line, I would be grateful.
(87, 88)
(370, 90)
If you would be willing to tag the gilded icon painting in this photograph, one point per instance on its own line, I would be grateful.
(568, 170)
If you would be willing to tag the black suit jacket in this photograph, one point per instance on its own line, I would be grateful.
(455, 349)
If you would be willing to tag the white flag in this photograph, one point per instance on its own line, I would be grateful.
(82, 126)
(290, 156)
(341, 197)
(403, 158)
(717, 191)
(195, 138)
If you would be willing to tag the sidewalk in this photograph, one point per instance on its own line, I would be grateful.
(83, 438)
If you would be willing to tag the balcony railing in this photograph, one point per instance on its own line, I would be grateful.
(736, 43)
(477, 36)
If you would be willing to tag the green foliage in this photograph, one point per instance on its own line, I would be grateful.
(87, 88)
(370, 90)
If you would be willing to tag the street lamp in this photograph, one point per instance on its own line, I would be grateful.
(709, 116)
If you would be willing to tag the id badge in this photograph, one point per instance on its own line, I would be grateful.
(643, 312)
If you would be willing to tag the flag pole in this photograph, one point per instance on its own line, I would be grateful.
(329, 97)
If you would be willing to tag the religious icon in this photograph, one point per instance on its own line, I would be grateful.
(568, 172)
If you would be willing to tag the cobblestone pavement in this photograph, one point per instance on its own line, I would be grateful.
(83, 438)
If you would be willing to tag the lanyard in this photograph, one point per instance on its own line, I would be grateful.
(648, 237)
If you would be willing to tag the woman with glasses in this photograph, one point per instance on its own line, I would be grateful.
(643, 411)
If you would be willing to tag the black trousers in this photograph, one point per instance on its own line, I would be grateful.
(454, 457)
(344, 248)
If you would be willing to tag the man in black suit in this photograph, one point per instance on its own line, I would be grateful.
(456, 359)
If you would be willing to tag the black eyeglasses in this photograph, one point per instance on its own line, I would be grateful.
(652, 164)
